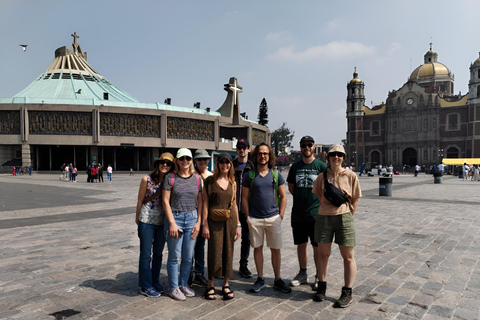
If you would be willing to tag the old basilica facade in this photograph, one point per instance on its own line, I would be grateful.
(420, 123)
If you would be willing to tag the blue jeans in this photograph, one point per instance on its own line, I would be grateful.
(150, 236)
(181, 248)
(109, 176)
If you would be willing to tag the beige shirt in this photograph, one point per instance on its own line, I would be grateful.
(345, 180)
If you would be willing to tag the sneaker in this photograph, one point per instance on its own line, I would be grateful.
(321, 290)
(187, 291)
(345, 299)
(315, 284)
(201, 280)
(244, 272)
(300, 278)
(150, 292)
(177, 294)
(258, 285)
(280, 285)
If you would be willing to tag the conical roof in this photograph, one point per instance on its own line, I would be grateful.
(70, 77)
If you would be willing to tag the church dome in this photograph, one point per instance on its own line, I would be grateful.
(478, 60)
(431, 70)
(355, 79)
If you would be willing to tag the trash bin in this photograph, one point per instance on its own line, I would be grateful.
(385, 187)
(437, 177)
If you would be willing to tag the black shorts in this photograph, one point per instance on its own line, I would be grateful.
(302, 230)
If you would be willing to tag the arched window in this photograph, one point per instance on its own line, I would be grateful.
(353, 105)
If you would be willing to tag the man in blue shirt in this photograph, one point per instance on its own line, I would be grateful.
(264, 202)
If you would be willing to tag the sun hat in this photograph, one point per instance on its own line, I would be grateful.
(337, 147)
(201, 154)
(184, 152)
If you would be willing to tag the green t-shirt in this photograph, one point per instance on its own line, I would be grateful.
(303, 176)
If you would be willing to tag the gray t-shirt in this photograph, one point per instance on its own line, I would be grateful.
(183, 197)
(262, 202)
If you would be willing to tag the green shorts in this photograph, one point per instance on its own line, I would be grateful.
(341, 226)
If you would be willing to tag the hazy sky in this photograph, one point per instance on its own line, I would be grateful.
(298, 55)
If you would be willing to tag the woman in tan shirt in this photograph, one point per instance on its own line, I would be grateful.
(333, 221)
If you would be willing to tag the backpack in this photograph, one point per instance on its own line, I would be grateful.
(251, 175)
(172, 180)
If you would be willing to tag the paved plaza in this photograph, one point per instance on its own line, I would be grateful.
(70, 251)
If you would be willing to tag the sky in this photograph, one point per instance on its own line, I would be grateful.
(298, 55)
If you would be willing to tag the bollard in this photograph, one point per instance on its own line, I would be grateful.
(385, 186)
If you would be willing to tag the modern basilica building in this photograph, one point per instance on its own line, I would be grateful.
(420, 123)
(72, 114)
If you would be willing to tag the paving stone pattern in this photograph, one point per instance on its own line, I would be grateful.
(70, 251)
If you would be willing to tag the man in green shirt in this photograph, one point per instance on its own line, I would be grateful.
(300, 180)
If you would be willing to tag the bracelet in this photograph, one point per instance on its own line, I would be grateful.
(239, 224)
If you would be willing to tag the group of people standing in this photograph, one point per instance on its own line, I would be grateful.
(183, 205)
(69, 172)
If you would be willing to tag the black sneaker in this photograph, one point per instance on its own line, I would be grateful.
(258, 285)
(345, 299)
(321, 290)
(280, 285)
(244, 272)
(201, 280)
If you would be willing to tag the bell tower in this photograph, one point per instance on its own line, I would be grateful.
(355, 103)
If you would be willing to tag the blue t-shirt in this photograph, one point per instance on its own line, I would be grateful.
(262, 202)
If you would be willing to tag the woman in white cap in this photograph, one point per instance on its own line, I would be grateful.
(150, 220)
(336, 220)
(182, 202)
(200, 159)
(221, 225)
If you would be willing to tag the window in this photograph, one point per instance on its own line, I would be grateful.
(353, 105)
(478, 91)
(375, 128)
(478, 74)
(453, 120)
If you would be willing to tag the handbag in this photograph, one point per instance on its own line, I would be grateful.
(332, 193)
(219, 215)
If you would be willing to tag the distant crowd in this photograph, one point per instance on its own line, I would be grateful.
(94, 173)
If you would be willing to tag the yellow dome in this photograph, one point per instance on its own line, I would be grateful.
(430, 70)
(478, 59)
(355, 78)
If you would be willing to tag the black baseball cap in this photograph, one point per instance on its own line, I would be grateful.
(244, 142)
(307, 138)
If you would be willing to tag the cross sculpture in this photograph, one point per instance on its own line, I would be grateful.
(75, 45)
(236, 90)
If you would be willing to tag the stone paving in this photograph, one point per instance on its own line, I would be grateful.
(70, 250)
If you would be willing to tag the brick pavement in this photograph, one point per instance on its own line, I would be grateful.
(71, 249)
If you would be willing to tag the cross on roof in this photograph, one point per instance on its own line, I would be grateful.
(236, 90)
(75, 45)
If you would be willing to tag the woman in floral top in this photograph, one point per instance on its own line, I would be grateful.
(150, 220)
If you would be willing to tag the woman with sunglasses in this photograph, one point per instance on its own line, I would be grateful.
(150, 218)
(182, 202)
(333, 221)
(200, 159)
(220, 194)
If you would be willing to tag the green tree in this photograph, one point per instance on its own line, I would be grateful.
(282, 139)
(263, 113)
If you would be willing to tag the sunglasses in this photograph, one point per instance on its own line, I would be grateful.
(185, 158)
(242, 148)
(261, 154)
(224, 162)
(304, 145)
(333, 154)
(203, 159)
(166, 163)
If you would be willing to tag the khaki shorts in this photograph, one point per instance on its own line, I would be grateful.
(341, 226)
(269, 227)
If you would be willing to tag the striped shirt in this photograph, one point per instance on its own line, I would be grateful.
(183, 197)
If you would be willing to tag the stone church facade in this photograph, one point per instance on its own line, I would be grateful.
(420, 123)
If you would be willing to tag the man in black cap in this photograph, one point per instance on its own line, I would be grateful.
(301, 178)
(242, 165)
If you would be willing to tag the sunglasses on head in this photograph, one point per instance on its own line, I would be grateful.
(304, 145)
(185, 158)
(165, 162)
(333, 154)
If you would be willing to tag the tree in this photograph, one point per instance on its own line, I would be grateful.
(263, 113)
(282, 139)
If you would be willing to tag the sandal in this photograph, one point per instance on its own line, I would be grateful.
(210, 294)
(227, 295)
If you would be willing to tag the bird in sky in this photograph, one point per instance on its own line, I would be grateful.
(24, 46)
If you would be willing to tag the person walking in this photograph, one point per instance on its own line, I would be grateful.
(200, 159)
(264, 201)
(336, 220)
(182, 203)
(301, 178)
(221, 225)
(241, 166)
(150, 218)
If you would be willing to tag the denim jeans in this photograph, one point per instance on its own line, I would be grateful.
(180, 249)
(150, 236)
(109, 176)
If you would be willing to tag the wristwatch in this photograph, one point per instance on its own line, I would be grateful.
(239, 224)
